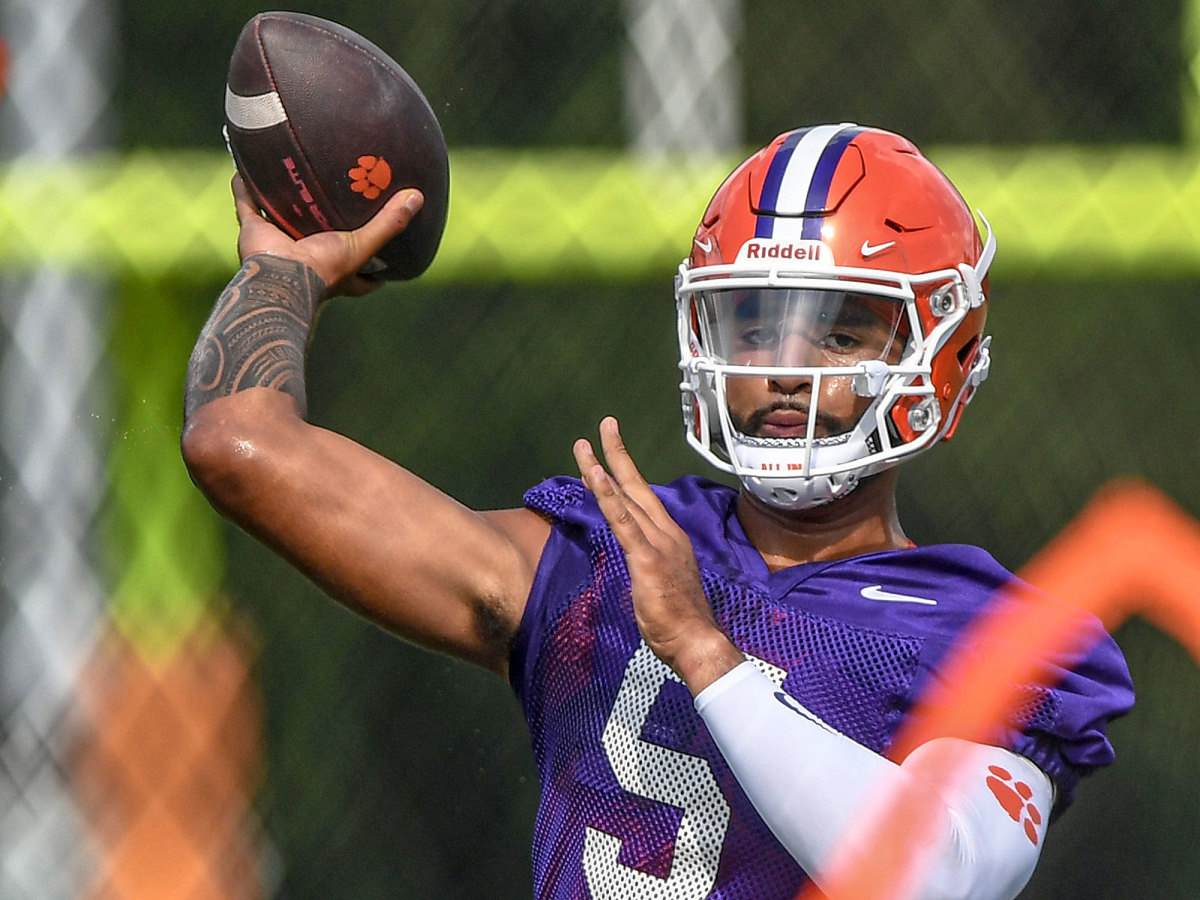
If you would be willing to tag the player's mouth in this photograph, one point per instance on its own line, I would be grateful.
(785, 421)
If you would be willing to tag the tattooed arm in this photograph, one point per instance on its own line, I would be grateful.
(374, 536)
(257, 334)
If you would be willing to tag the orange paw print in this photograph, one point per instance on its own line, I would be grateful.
(371, 176)
(1014, 796)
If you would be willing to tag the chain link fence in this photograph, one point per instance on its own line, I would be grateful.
(228, 732)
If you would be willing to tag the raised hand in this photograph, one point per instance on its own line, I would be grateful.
(672, 611)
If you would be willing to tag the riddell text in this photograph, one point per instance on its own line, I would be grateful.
(783, 251)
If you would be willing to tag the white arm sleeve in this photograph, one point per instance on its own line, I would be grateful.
(812, 785)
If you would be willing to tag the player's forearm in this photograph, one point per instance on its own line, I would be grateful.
(257, 334)
(813, 786)
(244, 396)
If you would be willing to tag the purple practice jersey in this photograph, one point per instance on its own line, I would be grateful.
(636, 800)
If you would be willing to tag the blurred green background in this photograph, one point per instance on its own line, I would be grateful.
(392, 772)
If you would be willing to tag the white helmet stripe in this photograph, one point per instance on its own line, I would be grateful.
(793, 189)
(789, 194)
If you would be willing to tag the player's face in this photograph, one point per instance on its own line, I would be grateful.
(801, 330)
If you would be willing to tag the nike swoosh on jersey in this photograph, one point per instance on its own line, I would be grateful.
(876, 592)
(705, 245)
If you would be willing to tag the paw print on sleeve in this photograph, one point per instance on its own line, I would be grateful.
(1015, 797)
(371, 176)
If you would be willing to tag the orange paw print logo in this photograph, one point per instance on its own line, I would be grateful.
(1014, 796)
(371, 176)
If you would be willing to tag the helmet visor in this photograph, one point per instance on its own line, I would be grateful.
(786, 328)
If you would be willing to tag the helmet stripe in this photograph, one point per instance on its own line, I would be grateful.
(822, 178)
(769, 196)
(798, 180)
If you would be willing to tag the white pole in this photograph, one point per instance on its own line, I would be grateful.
(52, 476)
(683, 85)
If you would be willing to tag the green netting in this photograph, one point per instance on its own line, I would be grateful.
(1063, 212)
(165, 549)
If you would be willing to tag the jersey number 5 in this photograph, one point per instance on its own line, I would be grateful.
(666, 776)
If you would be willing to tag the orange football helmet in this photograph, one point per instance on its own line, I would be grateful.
(837, 258)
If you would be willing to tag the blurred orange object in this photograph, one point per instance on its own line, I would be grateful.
(168, 775)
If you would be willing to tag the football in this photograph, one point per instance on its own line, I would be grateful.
(324, 127)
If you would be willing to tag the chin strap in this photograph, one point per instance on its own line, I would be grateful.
(801, 493)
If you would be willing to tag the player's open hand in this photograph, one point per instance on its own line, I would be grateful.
(337, 256)
(670, 606)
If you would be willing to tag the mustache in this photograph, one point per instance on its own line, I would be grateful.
(753, 423)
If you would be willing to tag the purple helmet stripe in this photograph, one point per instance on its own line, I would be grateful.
(798, 178)
(770, 191)
(818, 188)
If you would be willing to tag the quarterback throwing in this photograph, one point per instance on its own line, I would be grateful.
(712, 677)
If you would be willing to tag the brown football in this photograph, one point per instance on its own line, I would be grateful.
(324, 127)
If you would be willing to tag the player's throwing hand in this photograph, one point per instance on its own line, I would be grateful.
(336, 256)
(670, 606)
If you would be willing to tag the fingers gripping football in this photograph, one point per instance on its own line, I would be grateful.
(337, 256)
(670, 606)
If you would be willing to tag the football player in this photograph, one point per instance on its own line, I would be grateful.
(711, 677)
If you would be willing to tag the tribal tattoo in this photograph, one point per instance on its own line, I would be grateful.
(257, 335)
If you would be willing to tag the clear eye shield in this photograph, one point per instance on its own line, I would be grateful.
(789, 328)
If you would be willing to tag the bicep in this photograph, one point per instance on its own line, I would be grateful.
(374, 536)
(419, 563)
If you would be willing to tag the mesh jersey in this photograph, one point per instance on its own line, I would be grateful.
(636, 800)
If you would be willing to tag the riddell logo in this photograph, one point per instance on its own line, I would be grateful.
(371, 176)
(809, 252)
